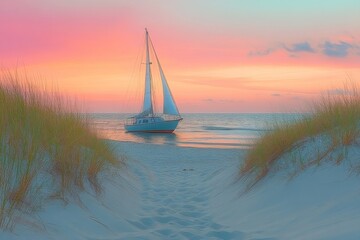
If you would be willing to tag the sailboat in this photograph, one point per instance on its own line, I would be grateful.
(147, 120)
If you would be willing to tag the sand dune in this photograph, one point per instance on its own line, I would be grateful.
(168, 192)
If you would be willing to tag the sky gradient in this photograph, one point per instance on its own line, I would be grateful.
(218, 56)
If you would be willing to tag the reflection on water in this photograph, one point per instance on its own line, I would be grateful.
(158, 138)
(196, 130)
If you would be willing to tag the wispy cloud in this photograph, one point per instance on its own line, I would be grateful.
(221, 100)
(264, 52)
(293, 48)
(338, 91)
(300, 47)
(340, 49)
(329, 48)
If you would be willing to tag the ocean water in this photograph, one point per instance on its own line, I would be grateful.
(205, 130)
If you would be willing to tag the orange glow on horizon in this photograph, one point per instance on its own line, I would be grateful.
(224, 65)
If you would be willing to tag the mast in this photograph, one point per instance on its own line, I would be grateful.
(147, 106)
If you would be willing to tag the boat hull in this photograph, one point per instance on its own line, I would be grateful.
(166, 126)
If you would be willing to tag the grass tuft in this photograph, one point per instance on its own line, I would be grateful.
(336, 116)
(46, 148)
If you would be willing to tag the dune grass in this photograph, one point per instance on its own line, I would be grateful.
(336, 116)
(46, 149)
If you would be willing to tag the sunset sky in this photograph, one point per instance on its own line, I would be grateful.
(218, 56)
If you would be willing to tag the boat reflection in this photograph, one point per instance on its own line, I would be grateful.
(158, 138)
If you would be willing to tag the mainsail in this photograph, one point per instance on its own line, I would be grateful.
(147, 106)
(170, 107)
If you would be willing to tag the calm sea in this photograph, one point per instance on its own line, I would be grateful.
(216, 130)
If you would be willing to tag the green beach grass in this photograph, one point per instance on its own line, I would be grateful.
(335, 116)
(47, 150)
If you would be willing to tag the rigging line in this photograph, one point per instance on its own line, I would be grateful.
(139, 83)
(138, 86)
(138, 90)
(132, 76)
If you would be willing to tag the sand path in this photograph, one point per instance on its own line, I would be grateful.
(177, 187)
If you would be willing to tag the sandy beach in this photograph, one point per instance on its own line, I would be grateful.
(170, 192)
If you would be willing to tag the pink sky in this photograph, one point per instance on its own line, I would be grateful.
(238, 56)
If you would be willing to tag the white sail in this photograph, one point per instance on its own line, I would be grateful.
(147, 106)
(169, 103)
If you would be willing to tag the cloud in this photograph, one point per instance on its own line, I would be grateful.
(294, 48)
(340, 49)
(297, 98)
(221, 101)
(329, 48)
(300, 47)
(262, 52)
(276, 95)
(338, 91)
